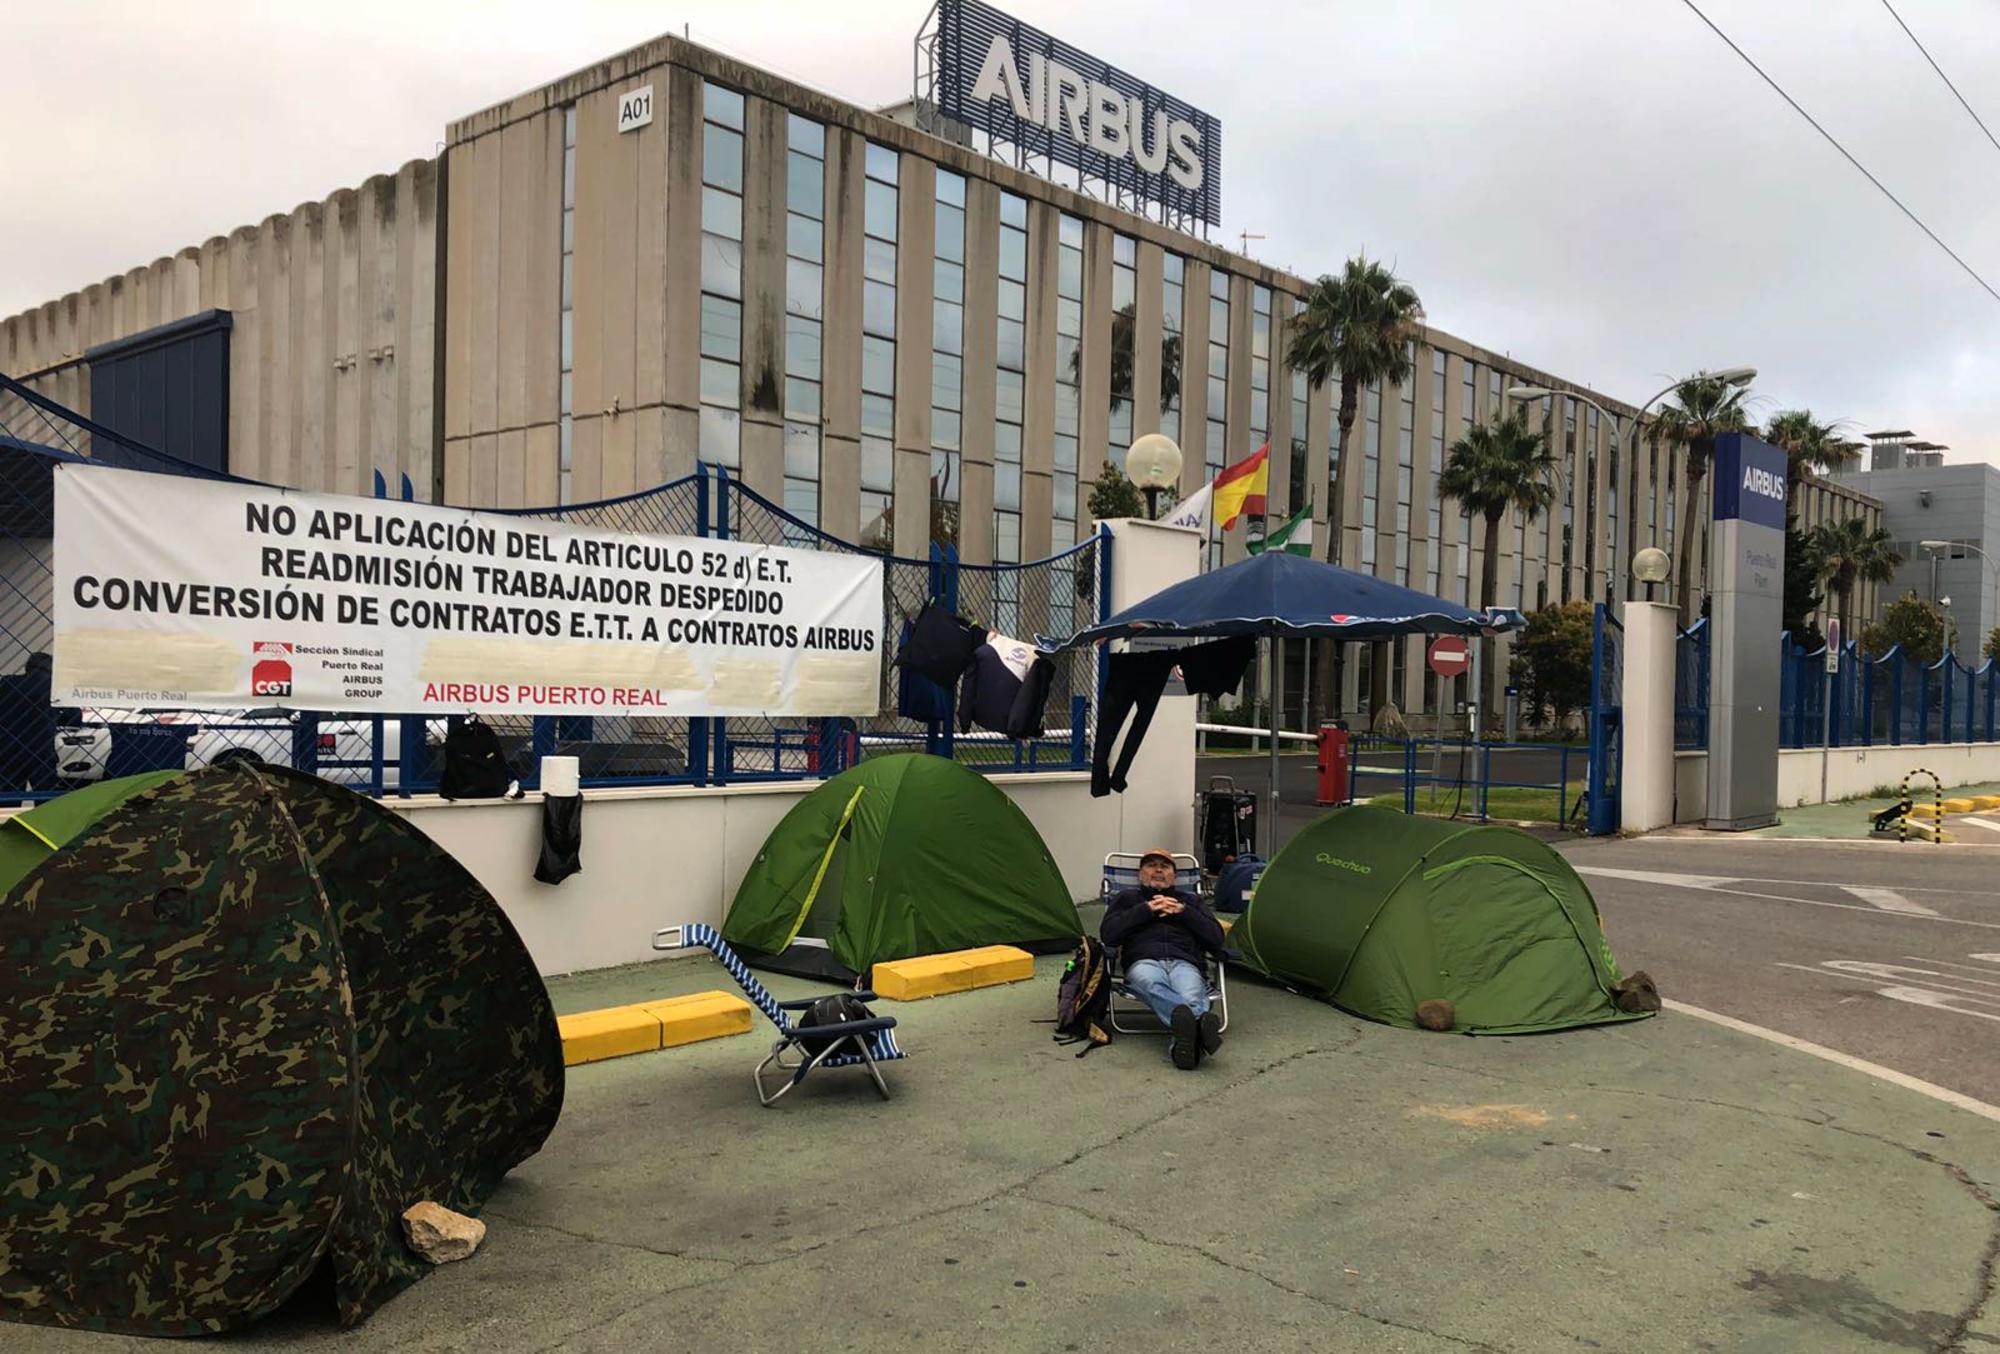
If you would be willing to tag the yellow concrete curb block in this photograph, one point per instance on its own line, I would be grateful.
(1985, 803)
(647, 1027)
(1958, 806)
(933, 975)
(699, 1016)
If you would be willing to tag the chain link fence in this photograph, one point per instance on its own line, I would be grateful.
(1052, 597)
(45, 751)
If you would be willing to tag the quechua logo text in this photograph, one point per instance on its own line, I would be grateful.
(270, 669)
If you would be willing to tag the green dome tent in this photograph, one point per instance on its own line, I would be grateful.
(1377, 911)
(902, 855)
(249, 1018)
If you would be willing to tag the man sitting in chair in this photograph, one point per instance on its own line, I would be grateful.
(1163, 936)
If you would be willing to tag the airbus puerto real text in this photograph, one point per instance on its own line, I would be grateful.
(1764, 483)
(1091, 114)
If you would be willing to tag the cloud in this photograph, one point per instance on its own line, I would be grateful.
(1603, 191)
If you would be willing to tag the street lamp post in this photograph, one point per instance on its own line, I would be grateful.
(1735, 376)
(1935, 548)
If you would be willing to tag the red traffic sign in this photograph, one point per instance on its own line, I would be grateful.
(1450, 655)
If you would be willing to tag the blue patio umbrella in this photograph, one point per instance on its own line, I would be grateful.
(1282, 596)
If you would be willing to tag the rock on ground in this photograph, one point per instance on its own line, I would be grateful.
(440, 1235)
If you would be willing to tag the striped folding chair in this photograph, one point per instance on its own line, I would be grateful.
(799, 1049)
(1128, 1014)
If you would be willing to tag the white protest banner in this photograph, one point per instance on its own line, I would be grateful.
(175, 591)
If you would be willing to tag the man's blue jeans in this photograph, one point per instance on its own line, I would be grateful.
(1164, 984)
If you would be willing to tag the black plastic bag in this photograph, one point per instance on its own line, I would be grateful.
(562, 838)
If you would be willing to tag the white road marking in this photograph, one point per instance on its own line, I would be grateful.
(1986, 823)
(1942, 1001)
(1714, 884)
(1888, 900)
(1985, 958)
(1942, 1094)
(1969, 968)
(1861, 971)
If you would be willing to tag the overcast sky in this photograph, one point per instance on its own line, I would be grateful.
(1604, 191)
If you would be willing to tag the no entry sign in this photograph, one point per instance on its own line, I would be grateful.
(1450, 655)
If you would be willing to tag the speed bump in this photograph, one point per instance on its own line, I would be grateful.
(933, 975)
(646, 1027)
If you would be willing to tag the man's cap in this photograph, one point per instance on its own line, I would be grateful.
(1157, 854)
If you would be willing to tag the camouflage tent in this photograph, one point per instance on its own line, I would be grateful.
(248, 1018)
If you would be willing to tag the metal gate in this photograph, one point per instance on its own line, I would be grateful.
(1607, 644)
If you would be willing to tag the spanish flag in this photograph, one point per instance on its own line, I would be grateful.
(1241, 488)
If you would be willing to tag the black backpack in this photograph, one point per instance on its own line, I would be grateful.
(826, 1016)
(1083, 1002)
(475, 765)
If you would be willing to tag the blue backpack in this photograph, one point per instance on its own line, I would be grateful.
(1236, 880)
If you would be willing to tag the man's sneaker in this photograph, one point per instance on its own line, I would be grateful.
(1211, 1031)
(1186, 1048)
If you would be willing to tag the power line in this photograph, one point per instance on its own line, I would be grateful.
(1882, 188)
(1940, 73)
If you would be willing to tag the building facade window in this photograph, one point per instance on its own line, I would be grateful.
(1568, 462)
(566, 368)
(805, 289)
(1069, 376)
(1010, 392)
(1260, 384)
(948, 357)
(1173, 296)
(1299, 489)
(1338, 547)
(1590, 504)
(1217, 432)
(1371, 471)
(1436, 514)
(721, 276)
(880, 204)
(1124, 331)
(1405, 465)
(1467, 392)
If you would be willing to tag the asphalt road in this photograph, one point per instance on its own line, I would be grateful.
(1890, 953)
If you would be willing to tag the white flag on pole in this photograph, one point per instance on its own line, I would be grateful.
(1192, 511)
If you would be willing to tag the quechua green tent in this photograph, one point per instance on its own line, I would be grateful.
(902, 855)
(1378, 911)
(249, 1018)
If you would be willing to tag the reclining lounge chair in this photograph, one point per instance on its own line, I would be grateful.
(854, 1043)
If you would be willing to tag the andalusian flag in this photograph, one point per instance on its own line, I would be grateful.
(1241, 488)
(1295, 537)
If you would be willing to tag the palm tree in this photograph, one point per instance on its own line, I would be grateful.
(1496, 466)
(1850, 552)
(1364, 326)
(1705, 407)
(1808, 445)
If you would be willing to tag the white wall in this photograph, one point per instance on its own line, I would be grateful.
(660, 856)
(1850, 772)
(1158, 808)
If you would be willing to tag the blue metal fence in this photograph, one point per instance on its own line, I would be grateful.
(1888, 699)
(45, 752)
(1691, 687)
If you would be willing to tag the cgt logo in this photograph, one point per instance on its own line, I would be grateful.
(270, 669)
(1763, 483)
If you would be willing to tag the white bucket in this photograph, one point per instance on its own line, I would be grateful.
(559, 776)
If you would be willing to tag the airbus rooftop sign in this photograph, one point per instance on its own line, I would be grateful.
(1023, 87)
